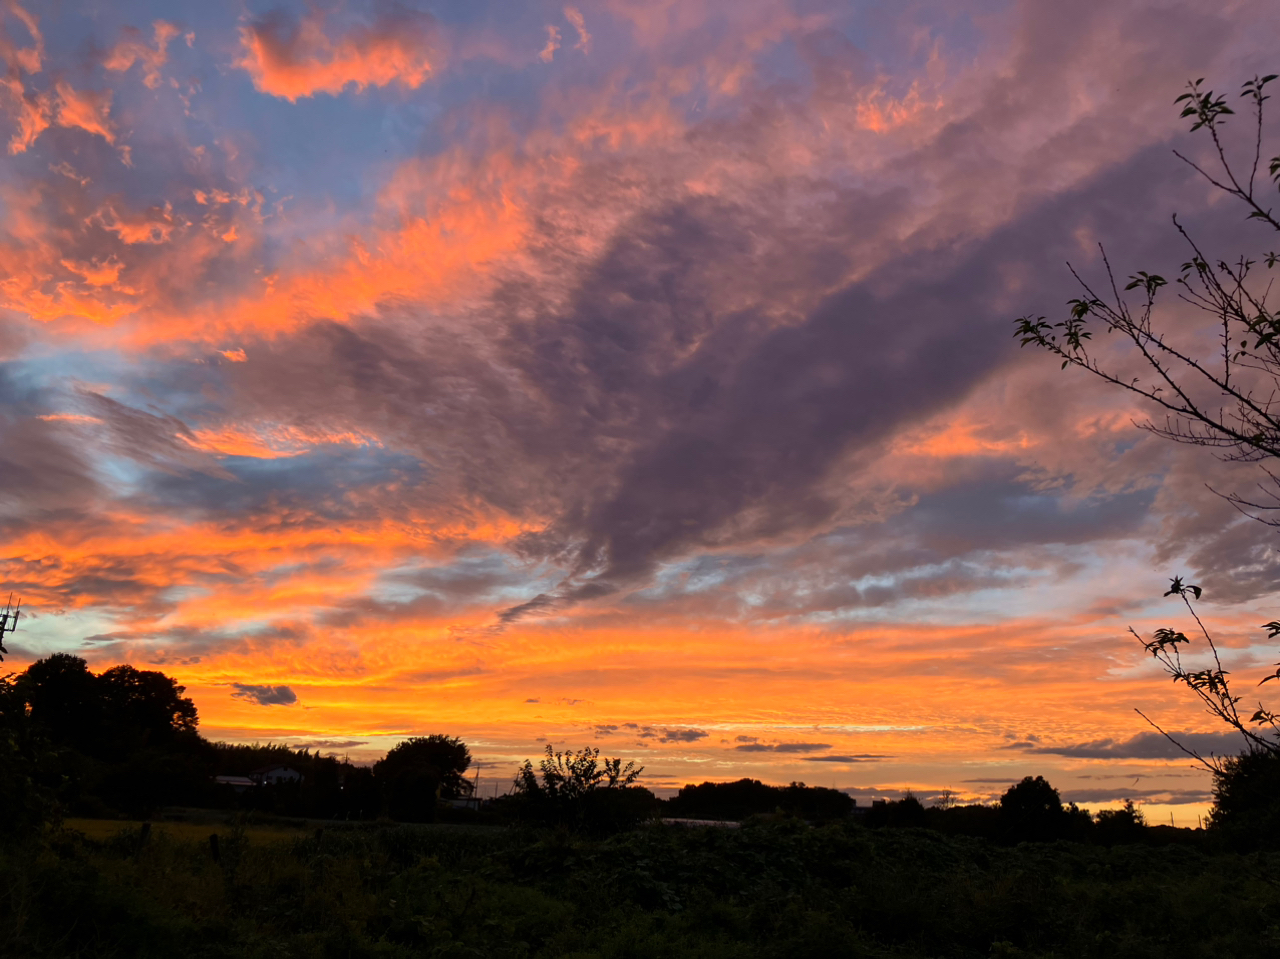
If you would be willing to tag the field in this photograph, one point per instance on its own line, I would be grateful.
(771, 889)
(186, 831)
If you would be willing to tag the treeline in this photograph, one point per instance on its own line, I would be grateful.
(126, 742)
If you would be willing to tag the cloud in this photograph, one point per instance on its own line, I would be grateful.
(691, 354)
(680, 735)
(318, 744)
(265, 695)
(85, 110)
(1145, 746)
(299, 58)
(573, 15)
(553, 44)
(782, 747)
(1168, 797)
(133, 48)
(32, 111)
(858, 758)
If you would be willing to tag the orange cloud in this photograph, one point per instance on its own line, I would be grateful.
(95, 273)
(270, 442)
(85, 110)
(150, 226)
(32, 112)
(300, 59)
(134, 49)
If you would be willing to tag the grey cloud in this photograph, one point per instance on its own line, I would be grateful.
(681, 735)
(265, 695)
(156, 440)
(1147, 746)
(782, 747)
(329, 743)
(859, 758)
(1172, 797)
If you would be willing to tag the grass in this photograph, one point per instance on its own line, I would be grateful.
(101, 830)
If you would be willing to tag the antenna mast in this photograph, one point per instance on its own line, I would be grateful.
(8, 621)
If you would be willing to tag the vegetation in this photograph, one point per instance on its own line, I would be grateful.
(1226, 400)
(419, 772)
(578, 790)
(774, 888)
(748, 797)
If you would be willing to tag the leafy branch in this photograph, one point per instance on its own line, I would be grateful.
(1211, 685)
(1231, 403)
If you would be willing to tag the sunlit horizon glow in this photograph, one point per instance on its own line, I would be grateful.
(625, 374)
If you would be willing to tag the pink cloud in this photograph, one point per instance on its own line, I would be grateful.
(573, 15)
(553, 44)
(31, 112)
(132, 49)
(291, 59)
(85, 110)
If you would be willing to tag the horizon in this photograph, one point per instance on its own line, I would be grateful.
(618, 374)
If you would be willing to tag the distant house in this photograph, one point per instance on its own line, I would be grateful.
(237, 783)
(275, 773)
(469, 802)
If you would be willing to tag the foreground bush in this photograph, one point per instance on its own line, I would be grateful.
(774, 889)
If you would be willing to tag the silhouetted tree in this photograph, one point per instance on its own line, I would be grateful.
(899, 813)
(26, 766)
(748, 797)
(417, 773)
(65, 699)
(1032, 809)
(579, 789)
(146, 704)
(1125, 824)
(1246, 798)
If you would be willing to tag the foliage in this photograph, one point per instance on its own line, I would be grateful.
(1191, 388)
(1245, 792)
(748, 797)
(1227, 401)
(1032, 810)
(1125, 824)
(767, 891)
(418, 772)
(581, 791)
(26, 801)
(1211, 685)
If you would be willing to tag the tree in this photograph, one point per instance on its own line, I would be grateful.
(579, 789)
(1120, 825)
(64, 699)
(416, 773)
(1032, 809)
(145, 705)
(1228, 400)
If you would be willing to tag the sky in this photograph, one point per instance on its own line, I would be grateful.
(631, 375)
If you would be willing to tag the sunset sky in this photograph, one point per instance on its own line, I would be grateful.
(631, 374)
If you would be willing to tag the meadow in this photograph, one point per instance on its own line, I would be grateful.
(777, 887)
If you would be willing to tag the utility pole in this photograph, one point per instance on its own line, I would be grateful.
(8, 621)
